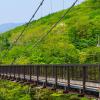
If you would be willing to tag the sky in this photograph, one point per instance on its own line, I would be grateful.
(20, 11)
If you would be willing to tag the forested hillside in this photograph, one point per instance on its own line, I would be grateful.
(73, 40)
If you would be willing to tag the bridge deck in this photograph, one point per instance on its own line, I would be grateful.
(61, 82)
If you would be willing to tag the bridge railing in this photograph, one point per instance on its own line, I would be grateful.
(67, 75)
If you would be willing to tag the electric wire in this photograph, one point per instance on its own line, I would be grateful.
(25, 27)
(39, 40)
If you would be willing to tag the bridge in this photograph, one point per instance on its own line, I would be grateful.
(84, 78)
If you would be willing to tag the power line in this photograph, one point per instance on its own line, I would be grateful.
(38, 41)
(27, 24)
(25, 27)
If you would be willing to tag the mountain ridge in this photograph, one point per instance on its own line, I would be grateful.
(8, 26)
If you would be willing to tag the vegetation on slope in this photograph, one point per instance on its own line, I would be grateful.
(74, 39)
(14, 91)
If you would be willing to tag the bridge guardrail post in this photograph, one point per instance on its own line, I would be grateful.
(99, 72)
(18, 73)
(0, 71)
(46, 75)
(30, 71)
(45, 84)
(68, 77)
(84, 79)
(6, 72)
(3, 71)
(65, 76)
(99, 79)
(14, 72)
(24, 72)
(56, 78)
(37, 71)
(10, 71)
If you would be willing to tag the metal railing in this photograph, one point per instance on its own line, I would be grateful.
(84, 75)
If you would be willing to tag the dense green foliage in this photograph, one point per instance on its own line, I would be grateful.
(14, 91)
(74, 39)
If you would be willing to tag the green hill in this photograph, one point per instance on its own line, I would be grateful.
(73, 40)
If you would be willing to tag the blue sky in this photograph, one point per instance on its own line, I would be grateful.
(19, 11)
